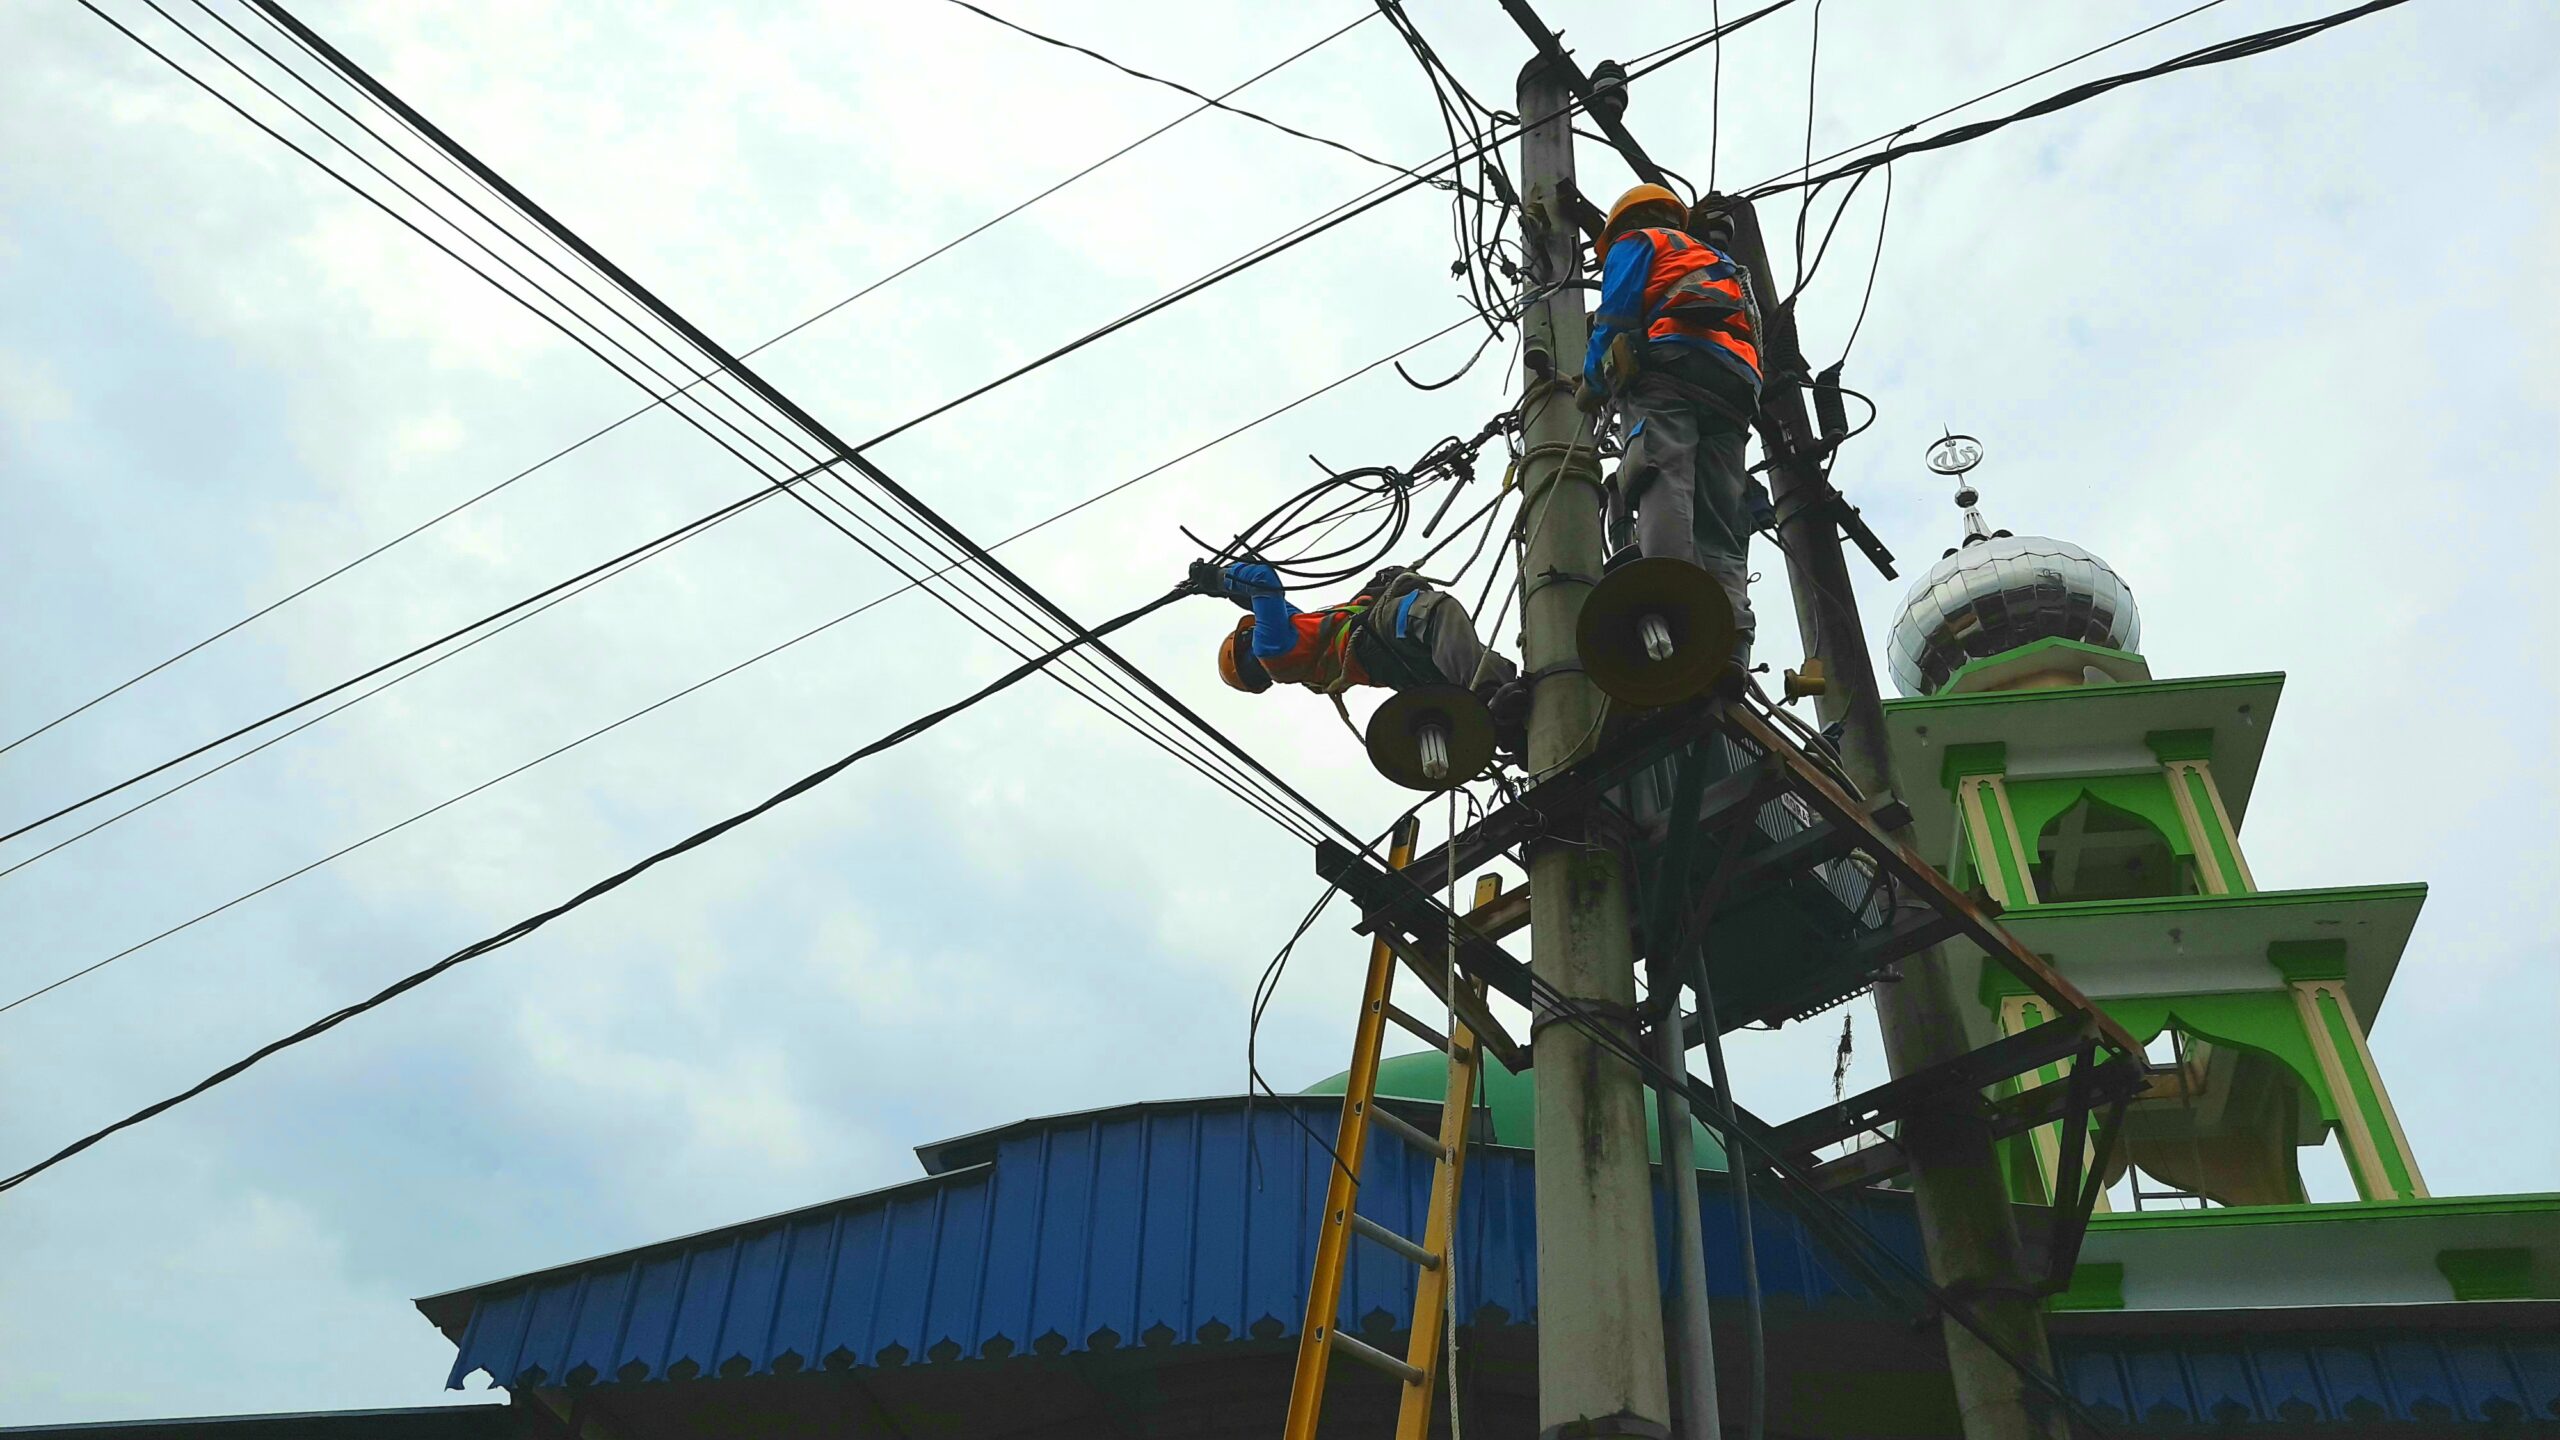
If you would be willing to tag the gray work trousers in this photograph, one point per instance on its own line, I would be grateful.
(1683, 491)
(1440, 623)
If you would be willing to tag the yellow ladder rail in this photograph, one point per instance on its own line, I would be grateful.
(1350, 1142)
(1318, 1339)
(1440, 1223)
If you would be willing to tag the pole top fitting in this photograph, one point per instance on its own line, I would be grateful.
(1546, 69)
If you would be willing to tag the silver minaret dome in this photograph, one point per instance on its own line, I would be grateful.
(1998, 591)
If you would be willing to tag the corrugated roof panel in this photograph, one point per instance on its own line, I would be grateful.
(853, 1294)
(2287, 1386)
(1058, 1260)
(1168, 1188)
(2538, 1370)
(801, 1296)
(1221, 1233)
(2343, 1377)
(1501, 1233)
(2352, 1376)
(595, 1327)
(1146, 1226)
(2486, 1379)
(2420, 1382)
(650, 1327)
(908, 1256)
(700, 1307)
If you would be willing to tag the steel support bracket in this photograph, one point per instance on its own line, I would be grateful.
(1563, 798)
(1921, 882)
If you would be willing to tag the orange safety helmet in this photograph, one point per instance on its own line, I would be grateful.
(1238, 665)
(1637, 199)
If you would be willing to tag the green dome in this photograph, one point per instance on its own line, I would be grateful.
(1511, 1099)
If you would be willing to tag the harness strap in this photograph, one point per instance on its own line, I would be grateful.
(1345, 712)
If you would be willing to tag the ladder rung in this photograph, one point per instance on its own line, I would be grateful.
(1404, 1129)
(1393, 1241)
(1371, 1355)
(1422, 1032)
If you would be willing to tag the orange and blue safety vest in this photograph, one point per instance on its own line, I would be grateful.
(1309, 647)
(1674, 289)
(1317, 649)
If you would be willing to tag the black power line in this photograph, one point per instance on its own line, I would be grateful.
(490, 632)
(606, 886)
(708, 680)
(2125, 39)
(649, 547)
(937, 252)
(1236, 110)
(2239, 48)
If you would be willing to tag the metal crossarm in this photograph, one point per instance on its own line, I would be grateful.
(1319, 1340)
(1785, 863)
(1971, 919)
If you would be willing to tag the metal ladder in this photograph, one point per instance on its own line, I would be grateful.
(1319, 1340)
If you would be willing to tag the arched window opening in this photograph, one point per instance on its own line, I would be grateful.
(2098, 851)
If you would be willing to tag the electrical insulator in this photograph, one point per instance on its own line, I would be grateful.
(1829, 408)
(1609, 89)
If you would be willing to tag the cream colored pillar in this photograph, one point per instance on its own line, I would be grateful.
(2186, 763)
(1991, 830)
(2377, 1150)
(2020, 1013)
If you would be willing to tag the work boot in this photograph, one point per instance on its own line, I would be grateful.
(1507, 702)
(1734, 680)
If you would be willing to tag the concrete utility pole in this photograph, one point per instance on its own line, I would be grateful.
(1600, 1357)
(1966, 1223)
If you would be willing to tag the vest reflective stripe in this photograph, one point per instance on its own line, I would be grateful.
(1327, 662)
(1694, 293)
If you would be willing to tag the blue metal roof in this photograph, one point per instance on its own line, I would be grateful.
(1165, 1224)
(1189, 1223)
(2354, 1377)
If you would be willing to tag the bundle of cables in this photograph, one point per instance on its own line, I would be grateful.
(1345, 525)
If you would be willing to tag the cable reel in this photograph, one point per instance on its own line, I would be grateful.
(1655, 631)
(1431, 738)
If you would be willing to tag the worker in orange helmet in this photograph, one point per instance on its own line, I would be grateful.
(1675, 347)
(1399, 632)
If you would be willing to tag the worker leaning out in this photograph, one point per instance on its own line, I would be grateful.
(1398, 632)
(1675, 346)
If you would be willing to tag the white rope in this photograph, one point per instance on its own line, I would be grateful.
(1449, 993)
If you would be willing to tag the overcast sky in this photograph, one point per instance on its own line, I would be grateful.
(2277, 339)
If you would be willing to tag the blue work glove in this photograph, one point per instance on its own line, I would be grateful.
(1244, 582)
(1755, 499)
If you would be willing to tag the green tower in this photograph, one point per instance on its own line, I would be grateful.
(2101, 807)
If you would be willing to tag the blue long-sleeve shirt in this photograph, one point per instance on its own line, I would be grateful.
(1258, 588)
(1623, 272)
